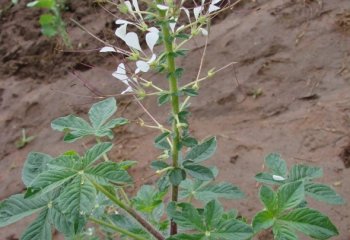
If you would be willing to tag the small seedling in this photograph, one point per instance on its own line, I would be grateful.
(24, 140)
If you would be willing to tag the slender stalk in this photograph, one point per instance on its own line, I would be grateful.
(116, 228)
(129, 210)
(173, 87)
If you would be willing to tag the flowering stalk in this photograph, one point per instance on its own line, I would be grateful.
(173, 87)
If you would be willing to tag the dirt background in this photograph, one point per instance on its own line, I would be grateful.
(295, 52)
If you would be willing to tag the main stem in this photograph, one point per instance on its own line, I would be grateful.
(173, 86)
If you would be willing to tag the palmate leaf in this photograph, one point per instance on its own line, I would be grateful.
(301, 172)
(76, 127)
(40, 229)
(17, 207)
(212, 224)
(35, 164)
(263, 220)
(129, 224)
(282, 232)
(148, 198)
(61, 221)
(310, 222)
(198, 171)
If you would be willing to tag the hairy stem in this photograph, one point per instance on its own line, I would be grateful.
(173, 87)
(116, 228)
(129, 210)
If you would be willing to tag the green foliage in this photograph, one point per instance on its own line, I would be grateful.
(284, 209)
(51, 22)
(76, 127)
(207, 223)
(24, 140)
(71, 190)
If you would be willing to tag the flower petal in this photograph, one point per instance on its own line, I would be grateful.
(129, 89)
(132, 40)
(120, 74)
(152, 37)
(142, 66)
(213, 8)
(107, 49)
(197, 11)
(121, 31)
(204, 31)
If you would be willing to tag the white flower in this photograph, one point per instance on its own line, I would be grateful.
(120, 74)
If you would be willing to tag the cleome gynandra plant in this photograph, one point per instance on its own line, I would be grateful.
(85, 195)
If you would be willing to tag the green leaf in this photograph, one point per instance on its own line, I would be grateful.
(163, 98)
(40, 229)
(282, 232)
(323, 193)
(184, 236)
(47, 19)
(189, 141)
(276, 164)
(78, 198)
(202, 151)
(310, 222)
(267, 197)
(51, 179)
(159, 165)
(176, 176)
(263, 220)
(148, 199)
(178, 73)
(190, 92)
(213, 213)
(290, 195)
(130, 225)
(116, 122)
(17, 207)
(107, 172)
(60, 220)
(42, 4)
(96, 152)
(199, 172)
(185, 215)
(77, 126)
(35, 164)
(209, 191)
(100, 112)
(232, 229)
(300, 172)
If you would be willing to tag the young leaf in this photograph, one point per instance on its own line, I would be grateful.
(323, 193)
(300, 172)
(267, 197)
(263, 220)
(40, 229)
(159, 165)
(17, 207)
(163, 98)
(190, 92)
(33, 166)
(42, 4)
(199, 172)
(78, 198)
(202, 151)
(176, 176)
(290, 195)
(276, 164)
(161, 141)
(96, 152)
(100, 112)
(310, 222)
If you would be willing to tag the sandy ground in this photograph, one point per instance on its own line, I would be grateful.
(296, 53)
